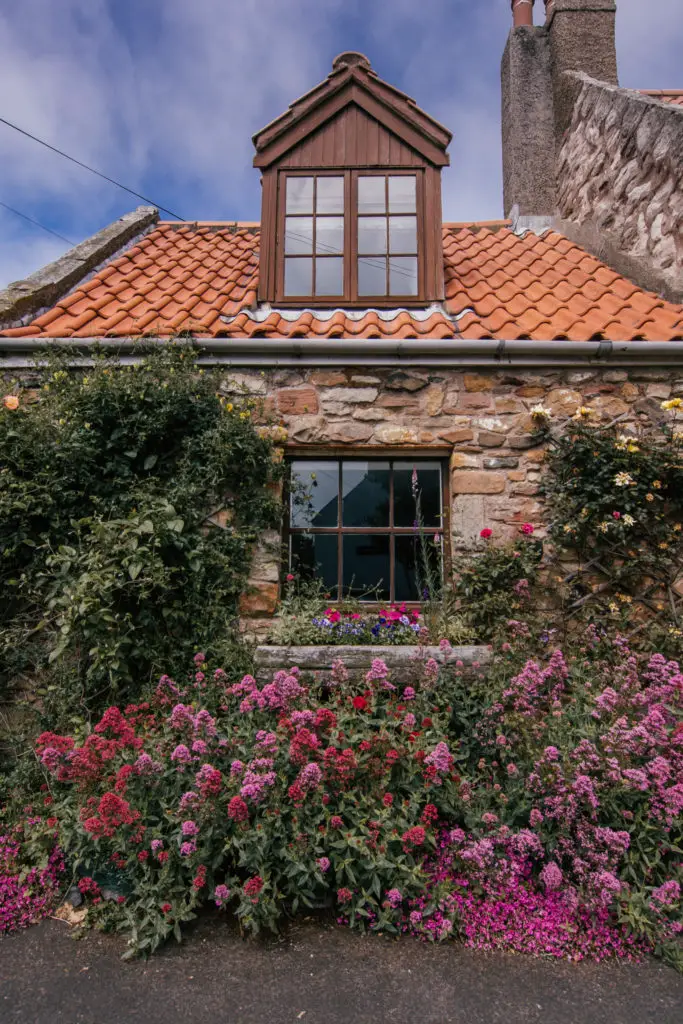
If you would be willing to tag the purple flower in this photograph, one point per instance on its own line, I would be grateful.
(323, 864)
(221, 895)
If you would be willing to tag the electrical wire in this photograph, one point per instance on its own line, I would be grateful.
(37, 223)
(99, 174)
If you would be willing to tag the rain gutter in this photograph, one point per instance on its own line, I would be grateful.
(272, 353)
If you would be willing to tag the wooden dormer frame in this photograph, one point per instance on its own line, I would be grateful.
(352, 124)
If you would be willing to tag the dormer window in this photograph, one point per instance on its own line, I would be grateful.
(351, 196)
(363, 248)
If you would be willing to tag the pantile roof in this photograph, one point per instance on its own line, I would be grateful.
(666, 95)
(203, 278)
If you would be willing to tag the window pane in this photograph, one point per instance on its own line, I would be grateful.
(366, 566)
(299, 195)
(330, 195)
(402, 194)
(371, 195)
(372, 234)
(365, 494)
(329, 235)
(413, 558)
(299, 276)
(403, 275)
(372, 276)
(314, 490)
(298, 235)
(329, 276)
(428, 487)
(314, 556)
(403, 234)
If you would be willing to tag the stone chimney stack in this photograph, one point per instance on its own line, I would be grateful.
(538, 97)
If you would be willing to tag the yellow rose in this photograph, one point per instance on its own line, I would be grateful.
(10, 402)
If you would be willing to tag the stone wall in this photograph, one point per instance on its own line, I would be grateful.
(620, 183)
(481, 421)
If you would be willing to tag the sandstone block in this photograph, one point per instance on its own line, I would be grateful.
(401, 381)
(508, 405)
(609, 406)
(432, 400)
(328, 378)
(370, 415)
(352, 395)
(297, 401)
(563, 401)
(260, 599)
(347, 433)
(501, 462)
(531, 391)
(477, 382)
(471, 482)
(629, 391)
(489, 439)
(390, 433)
(521, 441)
(459, 460)
(457, 436)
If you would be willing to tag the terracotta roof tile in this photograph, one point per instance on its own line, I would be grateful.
(204, 278)
(674, 96)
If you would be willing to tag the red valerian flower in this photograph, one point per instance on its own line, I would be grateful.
(344, 895)
(486, 533)
(165, 908)
(237, 809)
(336, 821)
(359, 703)
(429, 815)
(387, 799)
(413, 837)
(253, 886)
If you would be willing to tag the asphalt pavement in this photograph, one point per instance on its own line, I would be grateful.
(317, 974)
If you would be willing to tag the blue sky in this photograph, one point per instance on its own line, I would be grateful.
(165, 95)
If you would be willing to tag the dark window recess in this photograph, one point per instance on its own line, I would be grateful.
(354, 524)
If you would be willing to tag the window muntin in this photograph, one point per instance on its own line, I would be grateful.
(387, 235)
(314, 236)
(353, 236)
(352, 523)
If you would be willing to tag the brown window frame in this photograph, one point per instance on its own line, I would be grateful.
(350, 297)
(369, 455)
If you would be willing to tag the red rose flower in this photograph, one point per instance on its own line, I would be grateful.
(527, 528)
(359, 703)
(486, 533)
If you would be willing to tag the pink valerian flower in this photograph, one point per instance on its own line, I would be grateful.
(221, 895)
(409, 721)
(430, 672)
(324, 864)
(236, 768)
(187, 799)
(339, 673)
(189, 828)
(181, 754)
(199, 658)
(265, 740)
(204, 722)
(379, 673)
(440, 758)
(607, 886)
(188, 848)
(144, 765)
(199, 747)
(208, 780)
(409, 693)
(551, 877)
(156, 845)
(668, 894)
(310, 777)
(394, 898)
(445, 645)
(535, 817)
(181, 717)
(336, 821)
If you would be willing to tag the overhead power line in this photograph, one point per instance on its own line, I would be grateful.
(91, 169)
(37, 223)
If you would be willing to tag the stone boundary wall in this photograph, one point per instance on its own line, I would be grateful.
(401, 660)
(620, 183)
(480, 420)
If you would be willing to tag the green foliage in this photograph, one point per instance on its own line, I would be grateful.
(106, 562)
(494, 585)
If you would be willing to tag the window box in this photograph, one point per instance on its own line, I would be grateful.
(400, 660)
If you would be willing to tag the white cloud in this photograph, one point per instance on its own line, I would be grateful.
(165, 96)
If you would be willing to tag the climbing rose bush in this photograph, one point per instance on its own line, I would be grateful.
(537, 810)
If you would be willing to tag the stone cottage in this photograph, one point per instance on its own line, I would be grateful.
(392, 345)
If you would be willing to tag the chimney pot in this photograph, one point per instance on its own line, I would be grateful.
(549, 6)
(522, 12)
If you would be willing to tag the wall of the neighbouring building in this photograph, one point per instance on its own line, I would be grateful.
(620, 183)
(482, 418)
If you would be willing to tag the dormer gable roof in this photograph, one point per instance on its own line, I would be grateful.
(353, 82)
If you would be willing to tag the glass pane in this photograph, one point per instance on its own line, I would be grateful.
(330, 195)
(403, 275)
(372, 276)
(371, 195)
(365, 494)
(417, 567)
(427, 487)
(299, 195)
(366, 566)
(403, 234)
(298, 235)
(299, 276)
(314, 490)
(402, 194)
(329, 235)
(372, 234)
(329, 276)
(314, 555)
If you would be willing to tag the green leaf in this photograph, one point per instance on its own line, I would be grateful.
(134, 570)
(150, 461)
